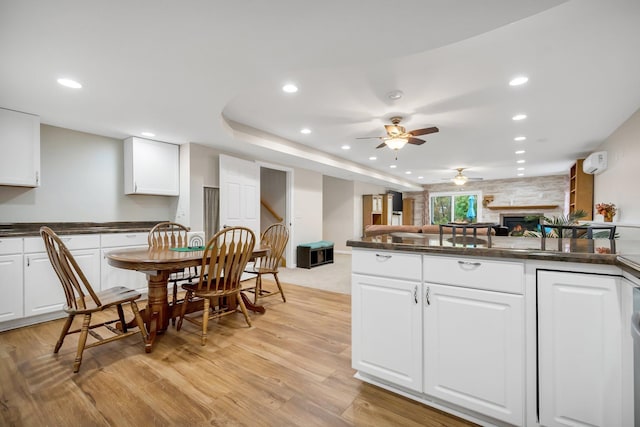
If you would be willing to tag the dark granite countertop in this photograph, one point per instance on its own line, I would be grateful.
(596, 251)
(30, 229)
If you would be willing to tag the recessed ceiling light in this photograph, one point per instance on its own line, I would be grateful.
(70, 83)
(393, 166)
(148, 134)
(346, 147)
(408, 172)
(520, 152)
(373, 158)
(519, 117)
(306, 131)
(520, 161)
(519, 138)
(290, 88)
(520, 174)
(421, 177)
(520, 169)
(517, 81)
(395, 95)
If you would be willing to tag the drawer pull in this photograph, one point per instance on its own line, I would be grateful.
(385, 257)
(65, 239)
(130, 236)
(469, 264)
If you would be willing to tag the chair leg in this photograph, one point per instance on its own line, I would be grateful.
(205, 320)
(140, 322)
(184, 309)
(63, 333)
(258, 289)
(123, 323)
(82, 340)
(244, 309)
(275, 275)
(175, 300)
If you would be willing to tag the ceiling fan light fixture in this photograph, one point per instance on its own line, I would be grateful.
(460, 180)
(396, 143)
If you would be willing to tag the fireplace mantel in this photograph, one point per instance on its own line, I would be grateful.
(520, 207)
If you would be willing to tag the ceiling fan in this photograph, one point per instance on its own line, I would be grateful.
(397, 136)
(460, 178)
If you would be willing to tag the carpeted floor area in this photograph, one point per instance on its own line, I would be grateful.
(334, 277)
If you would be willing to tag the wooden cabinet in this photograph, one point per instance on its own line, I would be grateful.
(111, 276)
(11, 287)
(474, 342)
(151, 167)
(387, 209)
(386, 317)
(42, 290)
(407, 211)
(579, 349)
(371, 210)
(581, 190)
(20, 147)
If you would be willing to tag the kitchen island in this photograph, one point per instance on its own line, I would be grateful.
(518, 332)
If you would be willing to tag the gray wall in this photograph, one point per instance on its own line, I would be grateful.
(82, 179)
(337, 211)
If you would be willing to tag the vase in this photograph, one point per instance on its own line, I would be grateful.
(608, 217)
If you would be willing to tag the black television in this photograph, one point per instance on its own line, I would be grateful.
(397, 200)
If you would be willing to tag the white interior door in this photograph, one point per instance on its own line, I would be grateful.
(239, 193)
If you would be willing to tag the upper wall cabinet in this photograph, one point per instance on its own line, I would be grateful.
(151, 167)
(20, 147)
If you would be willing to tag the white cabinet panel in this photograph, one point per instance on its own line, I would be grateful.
(151, 167)
(42, 289)
(112, 276)
(20, 148)
(579, 349)
(474, 350)
(11, 287)
(387, 329)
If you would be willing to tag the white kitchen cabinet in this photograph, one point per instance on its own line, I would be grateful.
(387, 316)
(474, 350)
(11, 286)
(43, 292)
(151, 167)
(579, 349)
(20, 147)
(112, 276)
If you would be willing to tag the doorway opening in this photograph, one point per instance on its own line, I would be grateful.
(275, 202)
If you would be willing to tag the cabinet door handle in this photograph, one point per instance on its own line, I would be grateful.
(37, 178)
(385, 257)
(427, 296)
(469, 264)
(28, 262)
(415, 294)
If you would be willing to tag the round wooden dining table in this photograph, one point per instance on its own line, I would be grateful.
(158, 264)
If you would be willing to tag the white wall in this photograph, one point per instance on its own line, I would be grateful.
(307, 206)
(337, 211)
(617, 183)
(82, 181)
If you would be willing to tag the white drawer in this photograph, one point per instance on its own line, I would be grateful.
(10, 245)
(501, 276)
(393, 264)
(76, 241)
(113, 240)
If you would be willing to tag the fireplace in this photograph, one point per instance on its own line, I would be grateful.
(518, 223)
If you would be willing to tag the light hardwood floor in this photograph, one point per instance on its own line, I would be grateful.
(291, 368)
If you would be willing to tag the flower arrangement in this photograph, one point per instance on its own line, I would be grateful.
(608, 210)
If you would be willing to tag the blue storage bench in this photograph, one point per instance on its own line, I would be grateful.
(314, 254)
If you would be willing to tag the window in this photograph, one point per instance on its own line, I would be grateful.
(454, 207)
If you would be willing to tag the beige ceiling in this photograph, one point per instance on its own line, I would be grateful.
(210, 72)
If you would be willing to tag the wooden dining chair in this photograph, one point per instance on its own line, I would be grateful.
(81, 299)
(276, 237)
(173, 235)
(225, 258)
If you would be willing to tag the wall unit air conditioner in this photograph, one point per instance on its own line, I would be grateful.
(595, 163)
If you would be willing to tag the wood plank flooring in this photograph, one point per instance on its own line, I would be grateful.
(291, 368)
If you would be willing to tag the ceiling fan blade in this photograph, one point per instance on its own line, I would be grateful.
(424, 131)
(384, 144)
(370, 137)
(416, 141)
